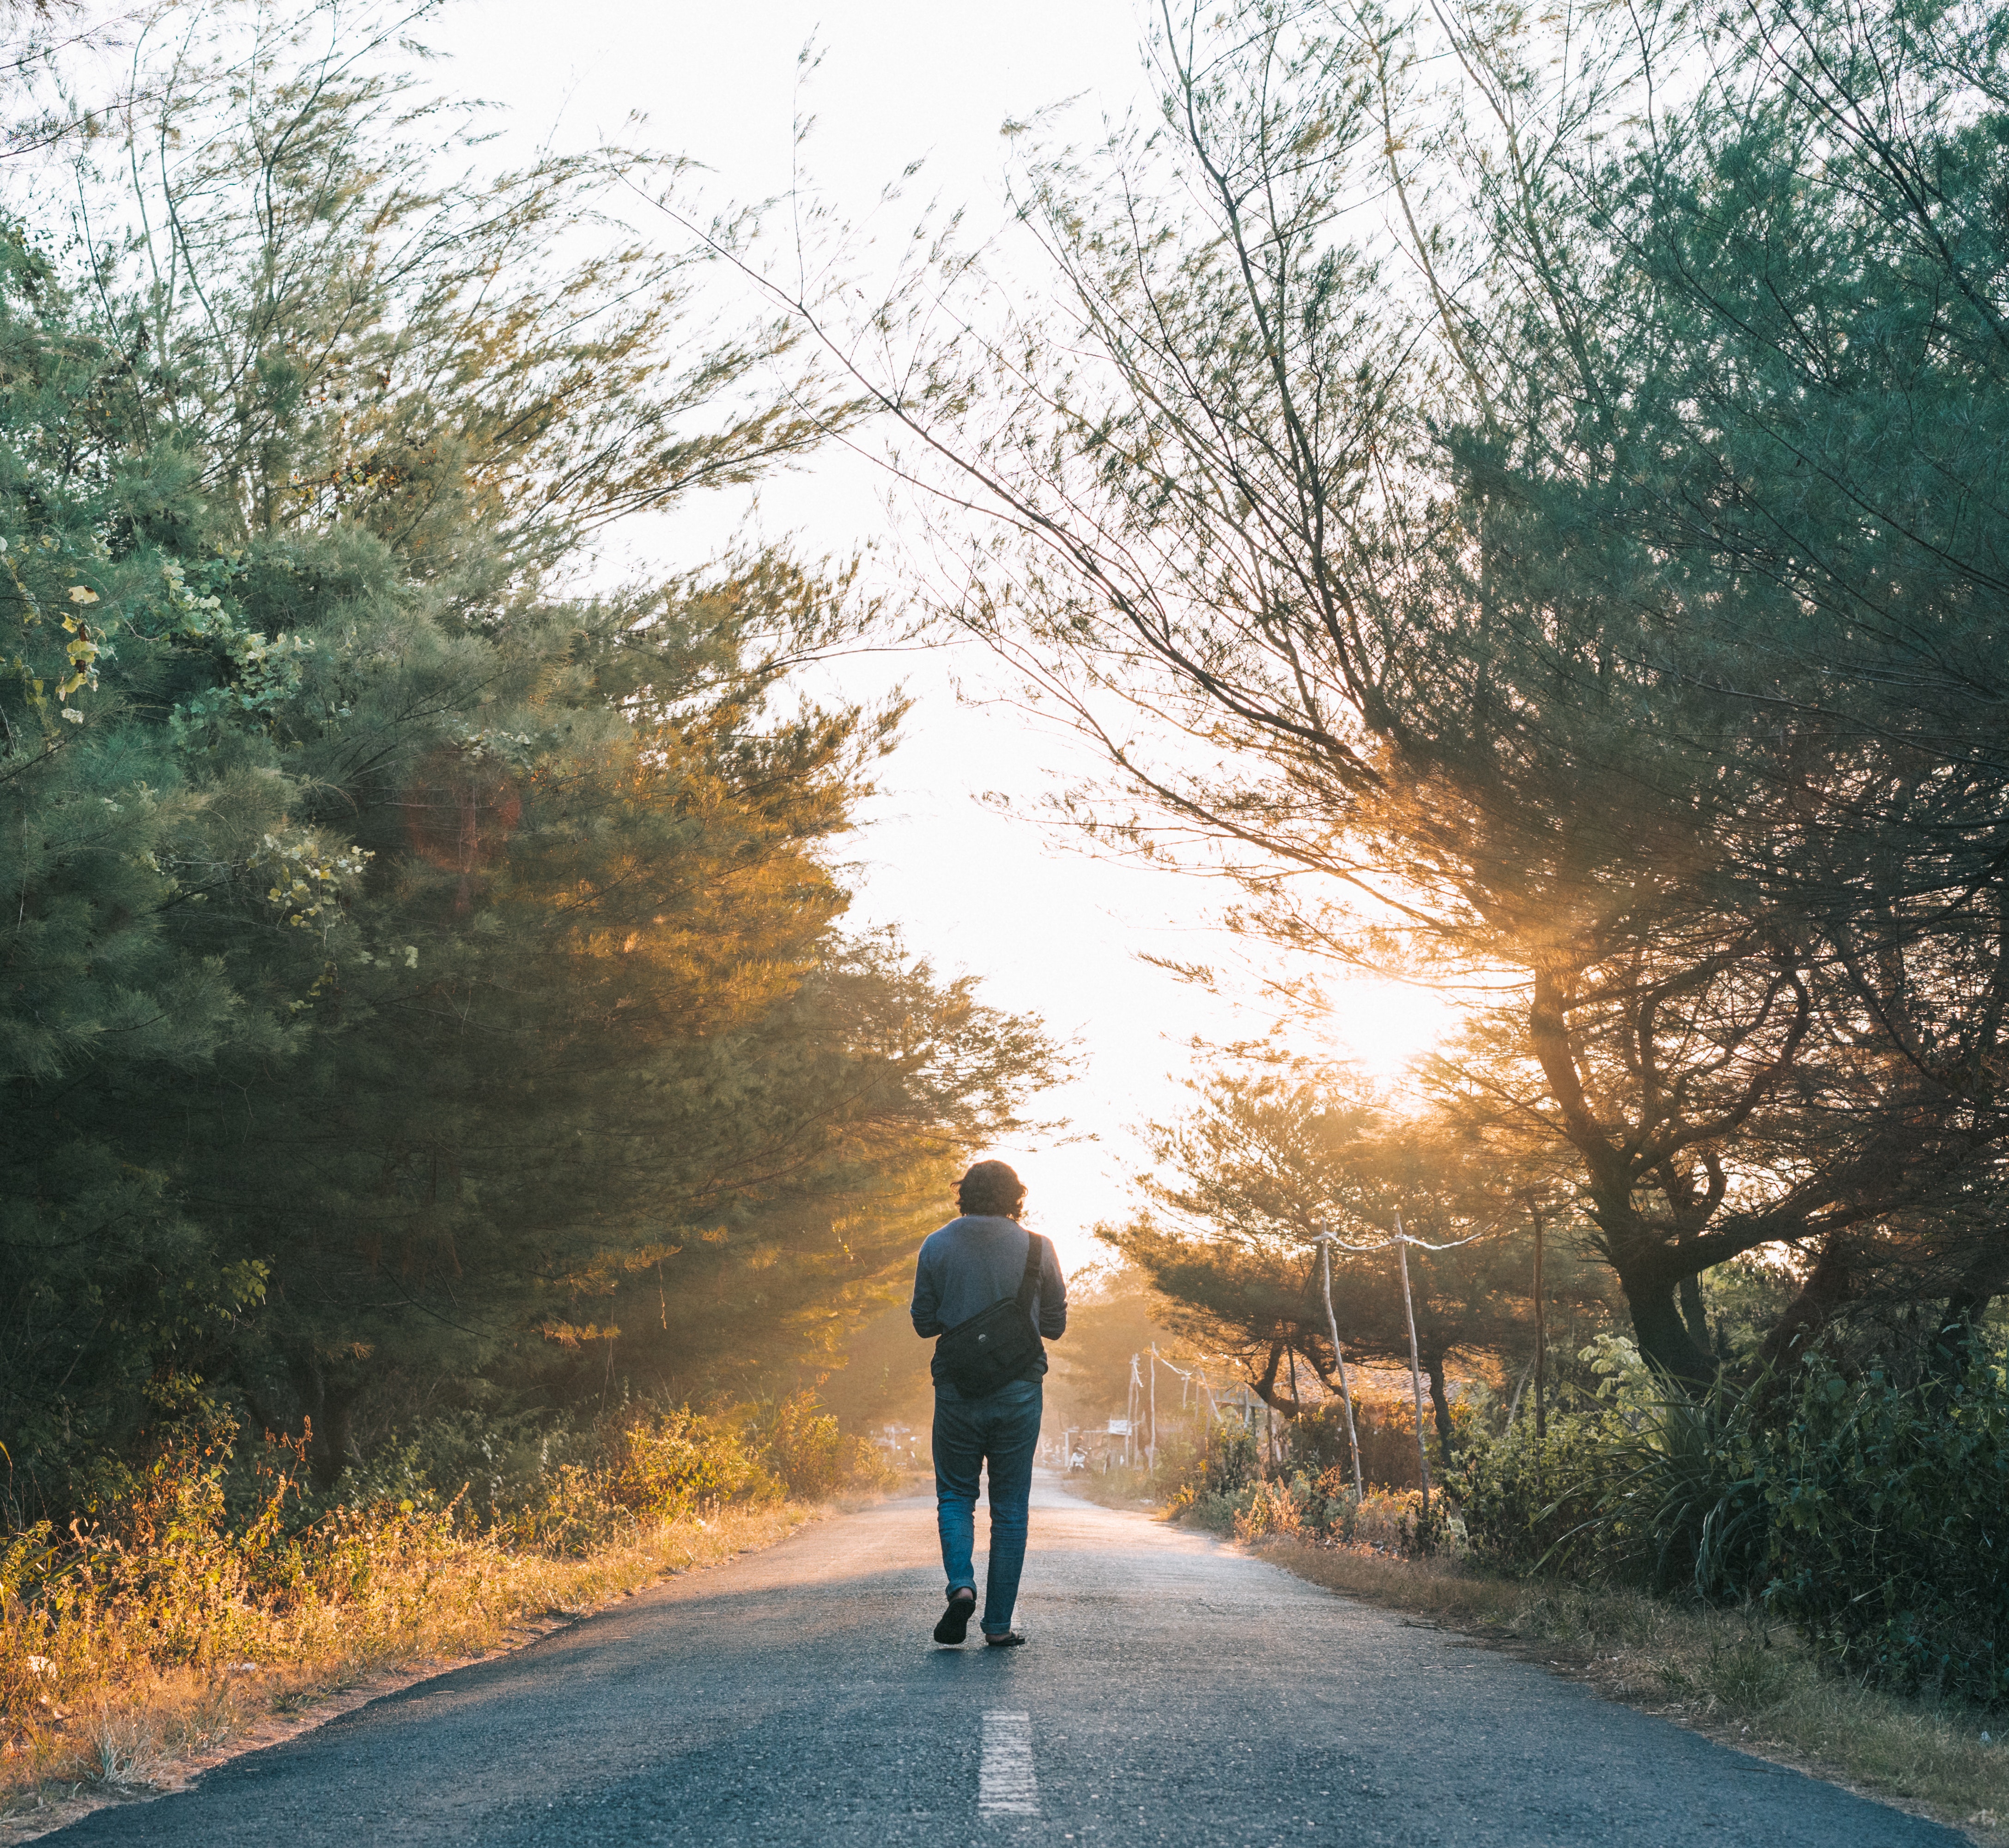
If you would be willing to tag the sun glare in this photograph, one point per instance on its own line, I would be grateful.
(1385, 1026)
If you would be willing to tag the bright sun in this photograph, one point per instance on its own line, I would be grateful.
(1383, 1025)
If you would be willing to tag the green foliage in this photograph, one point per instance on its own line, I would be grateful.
(1526, 1501)
(1888, 1507)
(804, 1448)
(1743, 1301)
(632, 1470)
(424, 984)
(1233, 1460)
(1867, 1512)
(1665, 1486)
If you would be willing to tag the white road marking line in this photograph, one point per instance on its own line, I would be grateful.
(1005, 1784)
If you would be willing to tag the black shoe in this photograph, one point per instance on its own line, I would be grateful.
(954, 1624)
(1011, 1640)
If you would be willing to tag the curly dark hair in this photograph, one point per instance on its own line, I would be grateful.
(991, 1187)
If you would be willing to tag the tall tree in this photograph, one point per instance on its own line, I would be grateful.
(409, 952)
(1273, 1157)
(1577, 581)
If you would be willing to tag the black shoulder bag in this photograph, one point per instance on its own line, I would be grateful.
(998, 1343)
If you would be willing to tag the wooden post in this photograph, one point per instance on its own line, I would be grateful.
(1415, 1370)
(1339, 1361)
(1151, 1455)
(1541, 1336)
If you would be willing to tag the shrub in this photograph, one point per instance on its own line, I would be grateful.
(493, 1464)
(213, 1557)
(804, 1447)
(1272, 1508)
(1181, 1478)
(1652, 1487)
(1873, 1516)
(1322, 1510)
(1673, 1488)
(1523, 1499)
(1388, 1433)
(1889, 1527)
(1234, 1461)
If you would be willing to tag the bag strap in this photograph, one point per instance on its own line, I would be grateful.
(1029, 1283)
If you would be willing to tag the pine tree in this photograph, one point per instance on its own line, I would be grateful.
(1583, 582)
(411, 955)
(1276, 1153)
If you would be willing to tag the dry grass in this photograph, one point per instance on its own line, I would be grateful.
(134, 1729)
(1733, 1675)
(209, 1594)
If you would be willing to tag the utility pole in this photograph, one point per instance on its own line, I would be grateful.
(1339, 1361)
(1151, 1455)
(1541, 1334)
(1416, 1369)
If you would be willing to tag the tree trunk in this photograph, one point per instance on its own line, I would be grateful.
(1826, 1289)
(1982, 1281)
(1694, 1317)
(328, 1405)
(333, 1438)
(1433, 1369)
(1267, 1388)
(1657, 1324)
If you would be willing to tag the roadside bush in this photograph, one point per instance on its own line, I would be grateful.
(1388, 1432)
(1666, 1492)
(1523, 1499)
(493, 1464)
(1889, 1527)
(1322, 1511)
(1311, 1498)
(1272, 1508)
(172, 1578)
(1234, 1461)
(1677, 1490)
(803, 1446)
(215, 1558)
(1872, 1515)
(669, 1463)
(1651, 1487)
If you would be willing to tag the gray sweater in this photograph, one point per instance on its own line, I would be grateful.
(969, 1264)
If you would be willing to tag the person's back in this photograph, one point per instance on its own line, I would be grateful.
(976, 1261)
(971, 1263)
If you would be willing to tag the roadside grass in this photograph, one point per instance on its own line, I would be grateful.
(1736, 1675)
(132, 1729)
(209, 1608)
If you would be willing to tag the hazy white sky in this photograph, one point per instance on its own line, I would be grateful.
(971, 890)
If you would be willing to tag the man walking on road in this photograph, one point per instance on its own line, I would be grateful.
(990, 1289)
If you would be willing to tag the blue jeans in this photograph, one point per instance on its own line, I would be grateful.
(1003, 1428)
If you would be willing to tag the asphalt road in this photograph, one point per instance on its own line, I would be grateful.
(1172, 1692)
